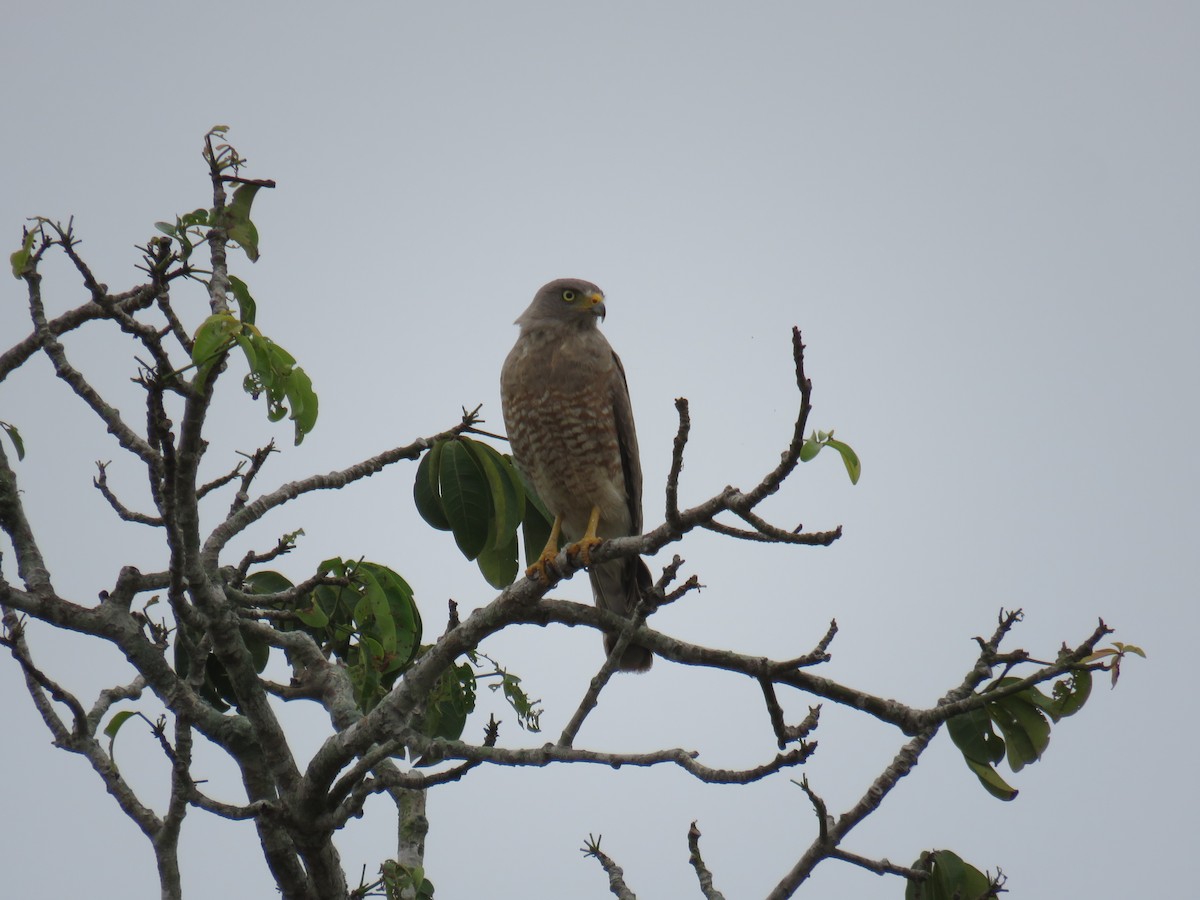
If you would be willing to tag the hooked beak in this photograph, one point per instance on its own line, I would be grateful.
(595, 305)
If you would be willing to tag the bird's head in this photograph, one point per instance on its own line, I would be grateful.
(565, 300)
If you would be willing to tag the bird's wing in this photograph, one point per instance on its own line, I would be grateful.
(631, 461)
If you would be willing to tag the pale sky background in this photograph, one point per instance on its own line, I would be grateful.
(984, 217)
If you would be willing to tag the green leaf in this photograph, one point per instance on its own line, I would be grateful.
(849, 457)
(274, 373)
(465, 496)
(15, 437)
(195, 218)
(313, 615)
(1032, 721)
(113, 726)
(515, 482)
(364, 675)
(214, 336)
(1130, 648)
(183, 649)
(240, 229)
(1070, 696)
(506, 508)
(267, 582)
(499, 564)
(536, 524)
(425, 489)
(247, 308)
(405, 616)
(949, 878)
(382, 625)
(260, 651)
(991, 780)
(20, 260)
(1021, 749)
(809, 449)
(528, 715)
(973, 735)
(450, 702)
(303, 401)
(115, 723)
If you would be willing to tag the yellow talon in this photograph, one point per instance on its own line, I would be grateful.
(545, 562)
(584, 546)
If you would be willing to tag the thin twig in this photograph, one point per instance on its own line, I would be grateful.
(123, 512)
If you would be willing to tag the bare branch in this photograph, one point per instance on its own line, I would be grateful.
(791, 456)
(216, 483)
(108, 697)
(31, 566)
(616, 875)
(878, 866)
(252, 512)
(819, 654)
(126, 515)
(129, 302)
(37, 681)
(126, 437)
(702, 873)
(681, 437)
(257, 460)
(591, 697)
(833, 832)
(784, 733)
(551, 753)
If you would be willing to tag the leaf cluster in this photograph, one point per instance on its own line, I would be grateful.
(1014, 725)
(364, 616)
(468, 488)
(273, 371)
(407, 882)
(950, 878)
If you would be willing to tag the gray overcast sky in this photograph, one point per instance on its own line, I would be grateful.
(984, 219)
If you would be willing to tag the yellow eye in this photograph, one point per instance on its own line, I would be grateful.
(569, 296)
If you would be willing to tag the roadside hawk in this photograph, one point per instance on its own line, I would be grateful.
(570, 424)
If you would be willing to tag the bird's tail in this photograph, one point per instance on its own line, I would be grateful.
(617, 586)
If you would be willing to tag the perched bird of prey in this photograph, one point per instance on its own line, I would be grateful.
(570, 424)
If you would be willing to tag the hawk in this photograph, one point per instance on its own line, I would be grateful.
(570, 424)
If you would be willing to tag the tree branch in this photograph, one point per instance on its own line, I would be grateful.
(703, 875)
(616, 875)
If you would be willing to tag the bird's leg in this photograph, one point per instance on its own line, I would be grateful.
(583, 547)
(548, 554)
